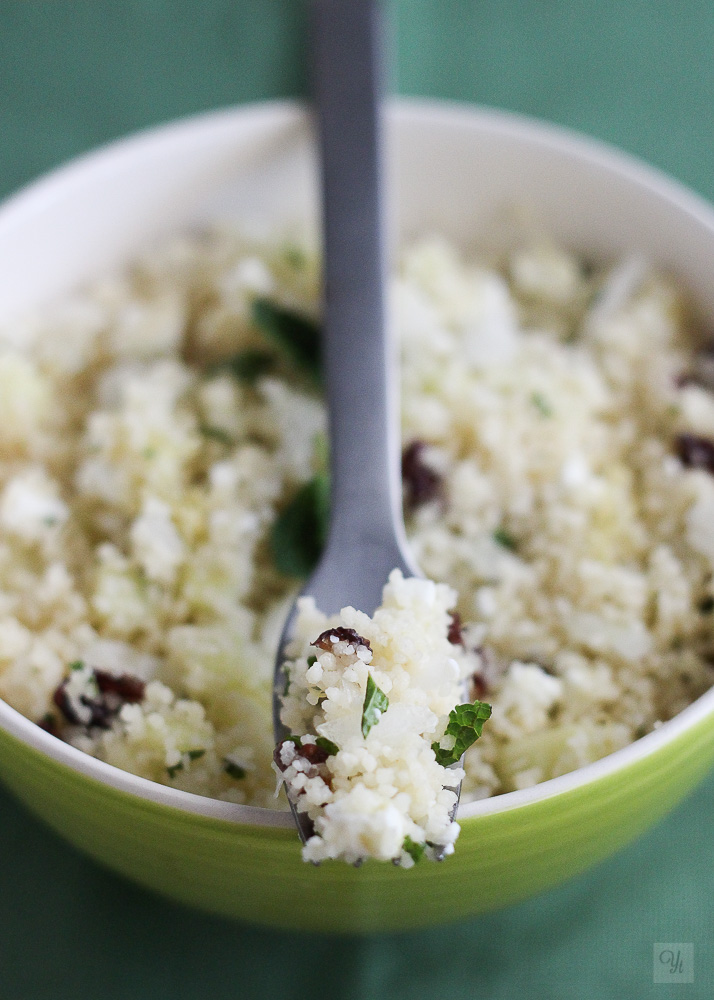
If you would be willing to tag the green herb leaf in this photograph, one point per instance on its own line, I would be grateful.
(295, 256)
(311, 660)
(76, 665)
(375, 703)
(296, 335)
(505, 538)
(298, 534)
(196, 754)
(174, 769)
(413, 849)
(233, 769)
(216, 434)
(246, 366)
(327, 745)
(541, 404)
(465, 725)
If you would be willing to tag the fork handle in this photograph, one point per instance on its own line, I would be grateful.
(366, 528)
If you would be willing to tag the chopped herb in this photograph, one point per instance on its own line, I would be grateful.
(328, 746)
(299, 532)
(190, 755)
(232, 769)
(149, 453)
(375, 703)
(321, 453)
(77, 665)
(246, 366)
(541, 404)
(216, 434)
(295, 256)
(311, 660)
(465, 725)
(296, 335)
(413, 849)
(706, 605)
(505, 538)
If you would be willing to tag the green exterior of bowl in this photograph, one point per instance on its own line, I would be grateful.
(254, 873)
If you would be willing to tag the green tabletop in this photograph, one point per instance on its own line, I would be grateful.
(635, 73)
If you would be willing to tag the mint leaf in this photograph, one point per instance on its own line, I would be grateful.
(541, 404)
(216, 434)
(174, 769)
(247, 366)
(413, 849)
(327, 745)
(299, 532)
(375, 703)
(465, 725)
(195, 754)
(297, 336)
(232, 769)
(505, 538)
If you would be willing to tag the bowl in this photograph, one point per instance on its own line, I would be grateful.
(452, 168)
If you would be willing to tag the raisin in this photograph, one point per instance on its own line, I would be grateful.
(326, 639)
(478, 687)
(421, 483)
(113, 693)
(455, 634)
(313, 753)
(127, 687)
(50, 725)
(695, 452)
(277, 754)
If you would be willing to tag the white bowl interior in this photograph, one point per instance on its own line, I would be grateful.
(453, 170)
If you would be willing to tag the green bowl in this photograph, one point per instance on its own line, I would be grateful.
(454, 168)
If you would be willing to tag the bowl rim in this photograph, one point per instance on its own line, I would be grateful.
(33, 197)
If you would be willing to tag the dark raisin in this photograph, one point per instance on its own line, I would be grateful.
(326, 639)
(695, 452)
(64, 705)
(313, 753)
(455, 634)
(701, 371)
(113, 693)
(478, 687)
(277, 754)
(50, 725)
(421, 483)
(127, 687)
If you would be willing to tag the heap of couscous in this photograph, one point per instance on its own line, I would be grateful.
(163, 473)
(376, 725)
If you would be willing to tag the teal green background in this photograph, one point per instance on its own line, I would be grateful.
(634, 73)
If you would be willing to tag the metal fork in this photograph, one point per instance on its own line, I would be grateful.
(366, 537)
